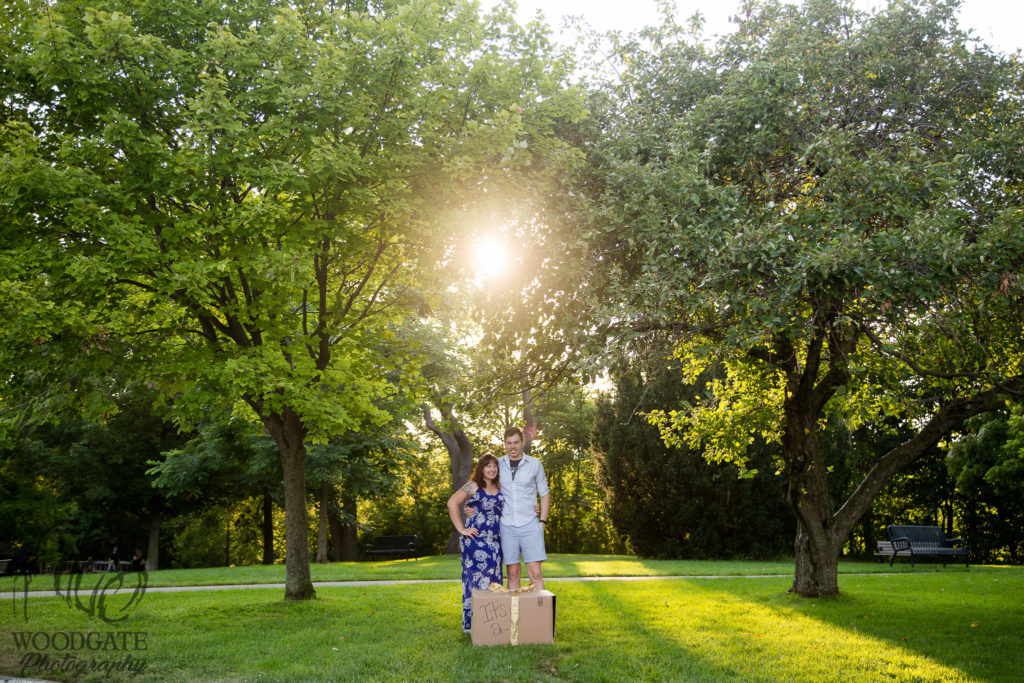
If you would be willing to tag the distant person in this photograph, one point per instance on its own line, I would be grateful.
(115, 560)
(138, 561)
(480, 543)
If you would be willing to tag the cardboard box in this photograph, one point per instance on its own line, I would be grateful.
(513, 619)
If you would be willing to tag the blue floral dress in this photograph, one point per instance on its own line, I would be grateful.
(481, 556)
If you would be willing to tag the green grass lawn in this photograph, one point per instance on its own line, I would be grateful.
(925, 625)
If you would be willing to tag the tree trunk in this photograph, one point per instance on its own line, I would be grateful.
(268, 528)
(818, 540)
(288, 432)
(817, 564)
(337, 531)
(815, 548)
(322, 524)
(820, 534)
(971, 518)
(462, 469)
(460, 455)
(153, 551)
(529, 421)
(344, 537)
(867, 523)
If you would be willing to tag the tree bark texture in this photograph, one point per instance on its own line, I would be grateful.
(153, 551)
(816, 572)
(268, 528)
(529, 421)
(288, 432)
(815, 549)
(460, 455)
(334, 521)
(322, 524)
(344, 537)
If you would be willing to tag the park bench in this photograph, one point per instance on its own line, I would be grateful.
(911, 541)
(393, 546)
(3, 566)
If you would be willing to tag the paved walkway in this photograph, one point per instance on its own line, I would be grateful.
(346, 584)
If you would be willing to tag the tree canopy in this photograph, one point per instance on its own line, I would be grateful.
(826, 205)
(237, 201)
(250, 207)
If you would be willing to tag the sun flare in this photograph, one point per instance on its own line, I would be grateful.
(490, 260)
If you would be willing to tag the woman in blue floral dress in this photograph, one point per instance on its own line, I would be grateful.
(481, 540)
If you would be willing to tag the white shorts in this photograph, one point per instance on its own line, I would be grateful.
(523, 543)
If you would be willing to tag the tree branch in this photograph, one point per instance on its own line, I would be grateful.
(948, 417)
(880, 345)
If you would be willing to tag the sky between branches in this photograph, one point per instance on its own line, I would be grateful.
(997, 22)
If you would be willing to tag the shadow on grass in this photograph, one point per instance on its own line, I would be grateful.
(966, 623)
(941, 627)
(623, 622)
(710, 631)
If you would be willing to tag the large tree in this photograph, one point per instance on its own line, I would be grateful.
(827, 204)
(235, 199)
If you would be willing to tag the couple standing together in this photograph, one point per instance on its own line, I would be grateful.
(502, 526)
